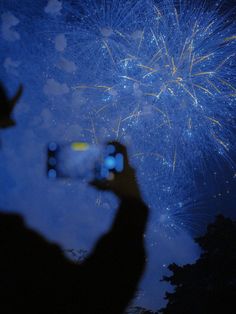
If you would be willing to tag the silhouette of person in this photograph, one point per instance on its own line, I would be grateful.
(36, 277)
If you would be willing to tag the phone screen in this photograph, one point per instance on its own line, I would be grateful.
(83, 160)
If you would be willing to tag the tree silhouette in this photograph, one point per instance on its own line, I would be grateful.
(209, 285)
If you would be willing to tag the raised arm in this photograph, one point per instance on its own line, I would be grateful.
(117, 263)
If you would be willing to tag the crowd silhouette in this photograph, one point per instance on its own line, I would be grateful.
(35, 275)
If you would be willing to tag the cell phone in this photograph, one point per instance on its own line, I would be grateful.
(80, 160)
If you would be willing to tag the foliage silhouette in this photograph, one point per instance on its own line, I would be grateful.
(209, 285)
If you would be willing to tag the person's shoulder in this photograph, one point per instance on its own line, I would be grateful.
(15, 227)
(10, 218)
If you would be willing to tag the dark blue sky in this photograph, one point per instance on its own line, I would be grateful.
(46, 46)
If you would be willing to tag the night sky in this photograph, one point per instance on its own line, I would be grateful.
(91, 72)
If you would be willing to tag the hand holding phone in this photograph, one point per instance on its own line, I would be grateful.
(79, 160)
(123, 184)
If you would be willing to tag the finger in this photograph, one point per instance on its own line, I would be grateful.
(120, 148)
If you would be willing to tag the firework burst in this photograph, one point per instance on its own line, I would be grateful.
(161, 77)
(177, 61)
